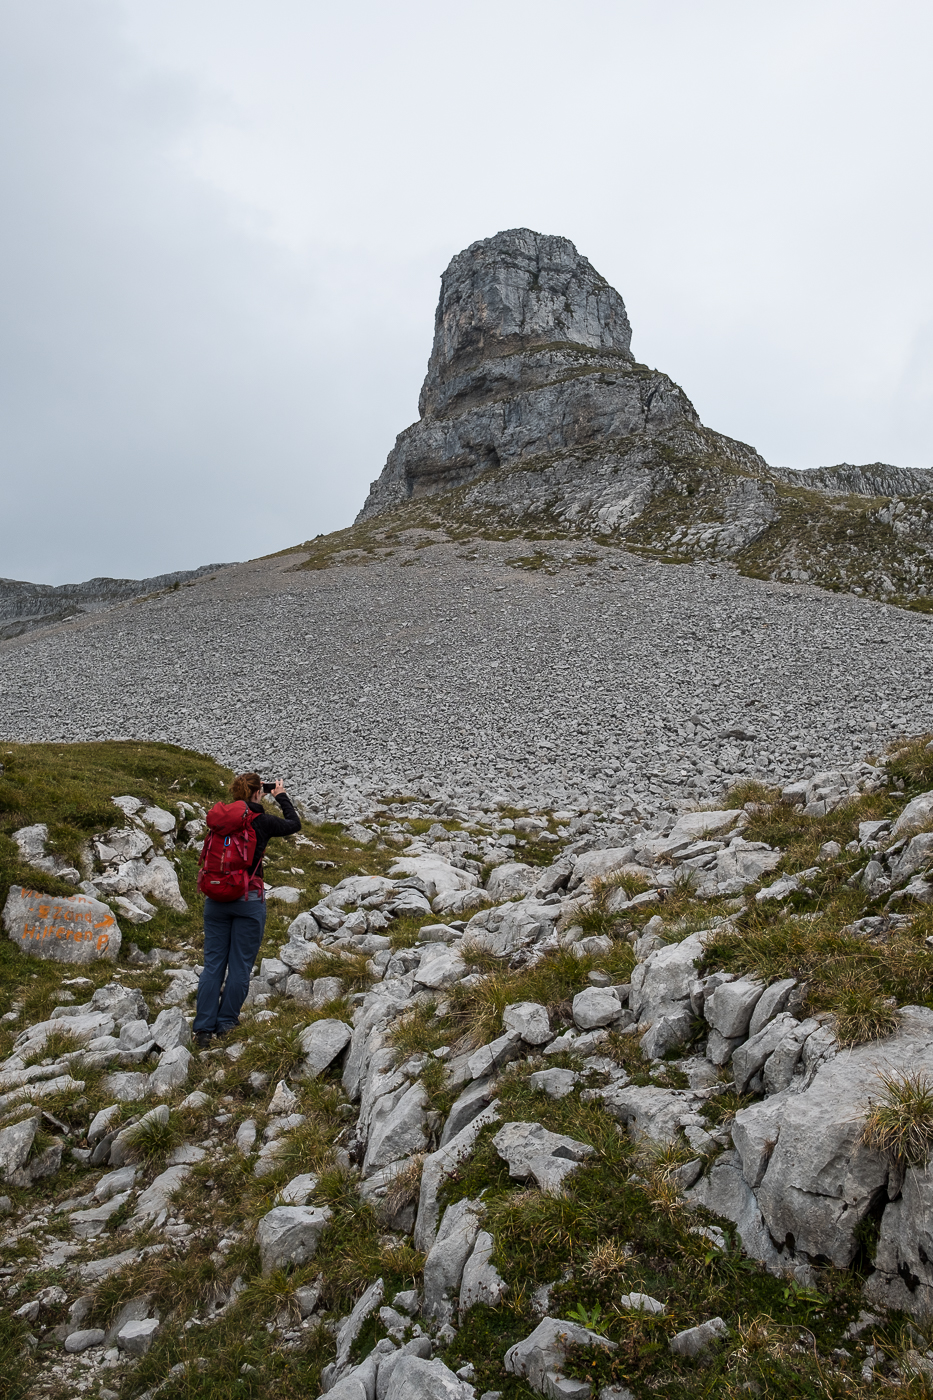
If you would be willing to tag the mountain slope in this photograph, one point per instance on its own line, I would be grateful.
(26, 606)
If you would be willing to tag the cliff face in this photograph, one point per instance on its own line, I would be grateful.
(531, 355)
(536, 416)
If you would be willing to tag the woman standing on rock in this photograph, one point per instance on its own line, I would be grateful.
(231, 879)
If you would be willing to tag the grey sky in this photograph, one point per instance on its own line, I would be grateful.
(224, 223)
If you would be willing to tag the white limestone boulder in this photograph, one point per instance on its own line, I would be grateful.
(56, 928)
(290, 1235)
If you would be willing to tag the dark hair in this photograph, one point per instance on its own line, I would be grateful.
(243, 787)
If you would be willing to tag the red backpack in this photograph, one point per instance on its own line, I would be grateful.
(228, 852)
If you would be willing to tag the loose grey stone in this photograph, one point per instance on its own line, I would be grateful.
(416, 1379)
(729, 1008)
(481, 1282)
(443, 1268)
(534, 1153)
(530, 1020)
(135, 1338)
(540, 1357)
(321, 1043)
(694, 1341)
(82, 1341)
(556, 1083)
(16, 1144)
(290, 1235)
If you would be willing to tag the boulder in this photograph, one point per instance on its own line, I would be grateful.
(729, 1008)
(917, 854)
(153, 1205)
(917, 813)
(285, 894)
(160, 882)
(749, 1058)
(437, 876)
(126, 1086)
(443, 1268)
(126, 843)
(539, 1359)
(171, 1071)
(642, 1303)
(16, 1145)
(464, 1109)
(441, 1164)
(513, 880)
(414, 1378)
(396, 1128)
(290, 1235)
(88, 1224)
(72, 929)
(594, 1007)
(171, 1028)
(297, 1191)
(663, 981)
(695, 826)
(556, 1083)
(481, 1282)
(31, 843)
(772, 1001)
(534, 1153)
(322, 1042)
(530, 1020)
(440, 966)
(157, 817)
(503, 930)
(598, 865)
(84, 1339)
(135, 1338)
(137, 1309)
(694, 1341)
(802, 1153)
(667, 1032)
(493, 1056)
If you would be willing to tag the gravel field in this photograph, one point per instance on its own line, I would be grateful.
(610, 683)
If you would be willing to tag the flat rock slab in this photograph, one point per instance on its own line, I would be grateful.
(72, 929)
(534, 1153)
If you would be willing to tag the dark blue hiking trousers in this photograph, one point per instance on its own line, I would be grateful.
(232, 935)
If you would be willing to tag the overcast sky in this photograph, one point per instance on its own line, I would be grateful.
(224, 222)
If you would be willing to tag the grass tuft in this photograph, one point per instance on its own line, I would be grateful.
(900, 1122)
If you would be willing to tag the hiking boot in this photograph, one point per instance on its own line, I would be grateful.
(203, 1040)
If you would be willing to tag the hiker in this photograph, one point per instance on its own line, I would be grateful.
(231, 879)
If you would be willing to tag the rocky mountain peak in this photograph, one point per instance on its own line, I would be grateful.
(516, 293)
(536, 417)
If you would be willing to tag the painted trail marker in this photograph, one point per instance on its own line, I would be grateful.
(72, 929)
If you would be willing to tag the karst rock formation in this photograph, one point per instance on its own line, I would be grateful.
(535, 414)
